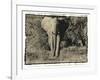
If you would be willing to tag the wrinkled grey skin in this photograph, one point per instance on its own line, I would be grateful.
(55, 28)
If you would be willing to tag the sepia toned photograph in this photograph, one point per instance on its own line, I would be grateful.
(53, 39)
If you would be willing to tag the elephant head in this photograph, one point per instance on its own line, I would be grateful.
(55, 26)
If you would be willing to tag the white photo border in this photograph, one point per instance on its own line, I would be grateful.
(20, 70)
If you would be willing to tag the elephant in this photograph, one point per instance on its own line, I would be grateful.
(55, 27)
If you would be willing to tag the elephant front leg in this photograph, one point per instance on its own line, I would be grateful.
(52, 44)
(57, 46)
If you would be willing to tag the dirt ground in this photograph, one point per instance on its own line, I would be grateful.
(67, 55)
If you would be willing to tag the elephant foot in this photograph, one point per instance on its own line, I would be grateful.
(56, 55)
(53, 58)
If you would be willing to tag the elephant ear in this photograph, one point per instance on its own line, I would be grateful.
(46, 24)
